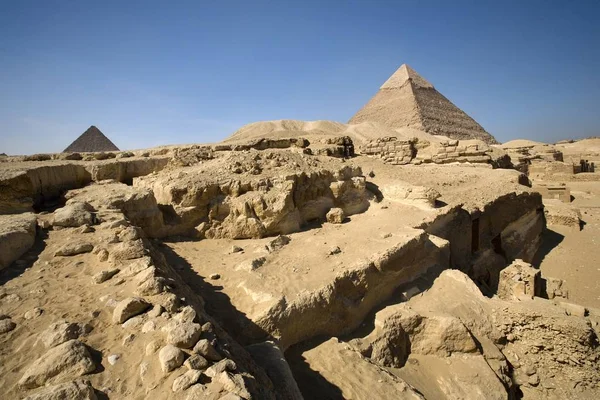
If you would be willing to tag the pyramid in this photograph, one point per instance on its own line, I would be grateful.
(91, 140)
(407, 100)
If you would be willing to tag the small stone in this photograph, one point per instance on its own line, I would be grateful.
(113, 358)
(86, 229)
(127, 340)
(335, 250)
(60, 332)
(128, 308)
(6, 325)
(34, 313)
(534, 380)
(233, 383)
(196, 361)
(236, 249)
(152, 347)
(170, 357)
(207, 350)
(214, 277)
(149, 326)
(510, 337)
(151, 286)
(335, 216)
(187, 314)
(74, 248)
(278, 243)
(251, 265)
(222, 366)
(155, 311)
(102, 255)
(104, 275)
(186, 380)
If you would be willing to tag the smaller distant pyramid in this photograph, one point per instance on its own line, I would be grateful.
(92, 140)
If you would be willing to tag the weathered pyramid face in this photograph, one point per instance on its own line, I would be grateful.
(407, 100)
(91, 140)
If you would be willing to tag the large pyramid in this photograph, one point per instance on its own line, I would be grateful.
(91, 140)
(407, 100)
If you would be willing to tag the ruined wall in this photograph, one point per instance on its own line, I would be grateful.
(391, 150)
(400, 151)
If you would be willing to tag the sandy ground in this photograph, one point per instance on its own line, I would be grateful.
(573, 255)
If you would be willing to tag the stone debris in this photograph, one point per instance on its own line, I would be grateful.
(207, 350)
(113, 358)
(33, 313)
(6, 325)
(63, 331)
(73, 215)
(105, 275)
(128, 308)
(278, 243)
(170, 357)
(79, 390)
(335, 216)
(183, 334)
(196, 361)
(68, 360)
(73, 249)
(519, 281)
(186, 380)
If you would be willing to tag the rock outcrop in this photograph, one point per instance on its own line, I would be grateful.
(17, 235)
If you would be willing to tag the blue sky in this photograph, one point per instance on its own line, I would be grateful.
(154, 72)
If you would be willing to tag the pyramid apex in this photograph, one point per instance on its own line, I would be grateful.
(404, 74)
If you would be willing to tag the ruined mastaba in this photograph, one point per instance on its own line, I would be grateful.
(407, 100)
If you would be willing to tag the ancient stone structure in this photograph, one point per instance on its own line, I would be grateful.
(92, 140)
(280, 267)
(408, 100)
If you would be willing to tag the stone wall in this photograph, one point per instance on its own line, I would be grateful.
(401, 151)
(392, 150)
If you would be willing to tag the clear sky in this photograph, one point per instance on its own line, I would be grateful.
(159, 72)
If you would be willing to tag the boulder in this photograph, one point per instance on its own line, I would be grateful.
(128, 250)
(68, 360)
(73, 215)
(170, 357)
(62, 331)
(17, 235)
(183, 334)
(128, 308)
(74, 248)
(76, 390)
